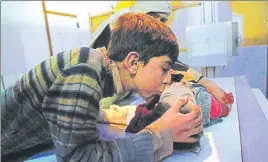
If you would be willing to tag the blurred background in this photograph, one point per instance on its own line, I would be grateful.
(31, 31)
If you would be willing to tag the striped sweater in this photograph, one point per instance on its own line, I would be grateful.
(59, 100)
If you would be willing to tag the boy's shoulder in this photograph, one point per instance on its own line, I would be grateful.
(85, 56)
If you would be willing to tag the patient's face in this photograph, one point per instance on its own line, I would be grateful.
(151, 78)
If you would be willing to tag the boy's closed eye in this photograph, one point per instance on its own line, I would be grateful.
(165, 70)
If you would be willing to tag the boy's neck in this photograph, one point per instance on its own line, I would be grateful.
(117, 79)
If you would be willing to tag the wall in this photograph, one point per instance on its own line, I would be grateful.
(182, 19)
(23, 39)
(82, 9)
(252, 59)
(255, 20)
(27, 48)
(251, 62)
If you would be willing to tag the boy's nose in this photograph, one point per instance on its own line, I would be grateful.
(167, 79)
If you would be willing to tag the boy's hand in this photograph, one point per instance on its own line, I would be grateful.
(182, 126)
(174, 126)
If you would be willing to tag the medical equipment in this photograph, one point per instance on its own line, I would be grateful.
(211, 45)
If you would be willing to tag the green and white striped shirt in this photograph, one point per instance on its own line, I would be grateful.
(58, 100)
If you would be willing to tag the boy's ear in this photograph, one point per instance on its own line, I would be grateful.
(131, 62)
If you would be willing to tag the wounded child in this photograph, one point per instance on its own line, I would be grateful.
(135, 118)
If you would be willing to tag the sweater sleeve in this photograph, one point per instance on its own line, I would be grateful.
(71, 107)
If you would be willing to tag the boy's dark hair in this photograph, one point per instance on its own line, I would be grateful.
(143, 34)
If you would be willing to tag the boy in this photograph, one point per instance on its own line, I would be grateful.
(58, 100)
(161, 11)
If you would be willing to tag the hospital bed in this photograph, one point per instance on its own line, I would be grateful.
(242, 136)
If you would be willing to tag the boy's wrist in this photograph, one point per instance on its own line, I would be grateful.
(162, 139)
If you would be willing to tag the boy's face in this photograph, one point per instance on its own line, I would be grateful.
(151, 79)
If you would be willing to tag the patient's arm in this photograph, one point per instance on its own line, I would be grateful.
(189, 74)
(217, 92)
